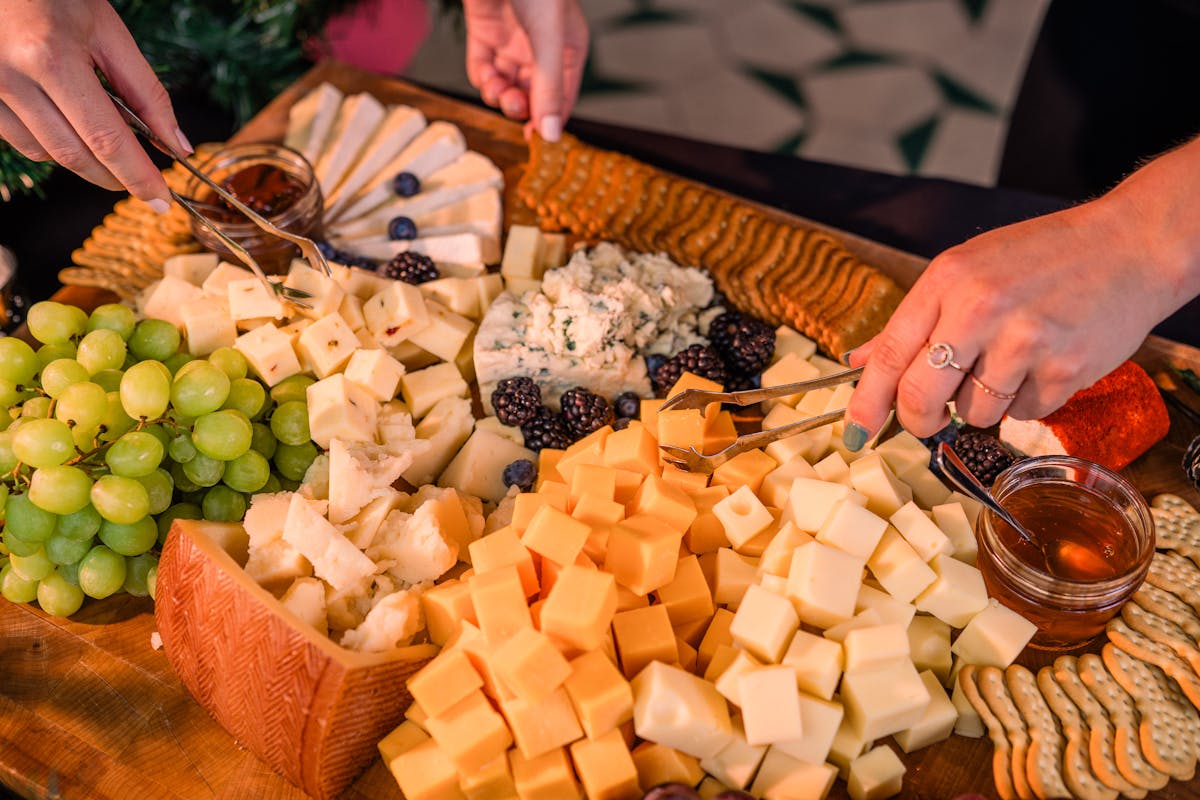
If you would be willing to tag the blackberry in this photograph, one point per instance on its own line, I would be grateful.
(1191, 462)
(345, 258)
(654, 361)
(584, 411)
(740, 383)
(406, 184)
(621, 423)
(411, 268)
(699, 359)
(947, 434)
(984, 455)
(520, 473)
(628, 404)
(516, 400)
(401, 228)
(547, 429)
(744, 343)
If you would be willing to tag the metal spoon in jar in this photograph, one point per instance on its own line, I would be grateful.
(963, 479)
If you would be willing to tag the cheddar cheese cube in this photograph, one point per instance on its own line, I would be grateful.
(580, 608)
(821, 719)
(588, 450)
(405, 737)
(716, 635)
(643, 635)
(555, 535)
(817, 663)
(745, 469)
(956, 595)
(736, 763)
(445, 606)
(548, 460)
(503, 548)
(642, 553)
(657, 764)
(546, 777)
(687, 482)
(898, 568)
(883, 701)
(693, 632)
(720, 431)
(470, 732)
(499, 600)
(852, 529)
(782, 777)
(706, 533)
(936, 724)
(593, 480)
(444, 681)
(529, 665)
(633, 449)
(679, 710)
(605, 768)
(680, 427)
(875, 774)
(600, 695)
(743, 516)
(764, 624)
(426, 773)
(541, 726)
(770, 704)
(823, 584)
(687, 597)
(595, 511)
(690, 380)
(492, 781)
(669, 504)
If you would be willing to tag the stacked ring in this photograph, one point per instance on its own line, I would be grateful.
(940, 355)
(983, 387)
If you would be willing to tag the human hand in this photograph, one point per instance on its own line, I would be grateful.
(526, 57)
(52, 105)
(1036, 310)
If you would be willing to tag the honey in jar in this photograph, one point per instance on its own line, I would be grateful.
(1093, 540)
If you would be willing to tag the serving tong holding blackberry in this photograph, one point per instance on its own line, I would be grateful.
(308, 248)
(692, 460)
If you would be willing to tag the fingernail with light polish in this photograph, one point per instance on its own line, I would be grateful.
(854, 437)
(551, 127)
(184, 143)
(845, 357)
(159, 205)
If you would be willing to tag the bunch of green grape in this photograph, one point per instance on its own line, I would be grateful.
(109, 432)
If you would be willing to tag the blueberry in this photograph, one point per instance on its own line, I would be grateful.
(402, 228)
(520, 473)
(654, 361)
(406, 184)
(947, 434)
(326, 249)
(628, 404)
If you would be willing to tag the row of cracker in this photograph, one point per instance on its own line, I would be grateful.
(1121, 723)
(784, 273)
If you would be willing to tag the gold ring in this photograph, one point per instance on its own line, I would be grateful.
(983, 387)
(941, 355)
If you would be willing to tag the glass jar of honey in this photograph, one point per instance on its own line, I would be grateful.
(275, 181)
(1093, 540)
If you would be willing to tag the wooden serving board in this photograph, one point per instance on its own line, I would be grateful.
(89, 710)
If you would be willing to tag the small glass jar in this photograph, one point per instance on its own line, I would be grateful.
(1096, 538)
(301, 216)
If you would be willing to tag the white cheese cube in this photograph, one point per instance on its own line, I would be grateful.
(375, 372)
(827, 366)
(494, 425)
(412, 357)
(927, 488)
(880, 702)
(811, 501)
(994, 637)
(788, 340)
(361, 283)
(520, 286)
(326, 294)
(191, 267)
(478, 469)
(782, 777)
(445, 334)
(817, 663)
(334, 559)
(217, 283)
(956, 595)
(553, 251)
(777, 485)
(414, 548)
(876, 646)
(269, 353)
(459, 295)
(446, 427)
(338, 409)
(166, 299)
(306, 599)
(823, 584)
(875, 775)
(821, 719)
(952, 519)
(898, 568)
(770, 705)
(810, 445)
(969, 723)
(251, 299)
(743, 516)
(396, 313)
(936, 724)
(392, 622)
(889, 608)
(903, 451)
(848, 744)
(425, 387)
(521, 251)
(776, 558)
(728, 680)
(488, 287)
(327, 344)
(675, 708)
(885, 492)
(868, 618)
(351, 311)
(852, 529)
(971, 507)
(833, 468)
(929, 645)
(207, 326)
(764, 624)
(788, 369)
(920, 531)
(736, 763)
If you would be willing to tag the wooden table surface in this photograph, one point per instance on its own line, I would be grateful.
(89, 710)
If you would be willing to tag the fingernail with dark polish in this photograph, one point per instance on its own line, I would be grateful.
(845, 357)
(854, 437)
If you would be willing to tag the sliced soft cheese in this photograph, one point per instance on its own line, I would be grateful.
(308, 131)
(457, 248)
(357, 120)
(401, 125)
(334, 559)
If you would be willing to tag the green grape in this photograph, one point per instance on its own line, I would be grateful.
(222, 504)
(43, 443)
(60, 490)
(114, 317)
(287, 484)
(248, 472)
(52, 352)
(130, 540)
(180, 448)
(109, 379)
(64, 550)
(146, 390)
(69, 573)
(82, 525)
(101, 349)
(230, 361)
(177, 511)
(120, 500)
(10, 395)
(200, 390)
(55, 323)
(185, 368)
(61, 373)
(135, 454)
(289, 423)
(182, 482)
(3, 498)
(152, 581)
(18, 362)
(136, 570)
(247, 396)
(8, 459)
(262, 441)
(154, 340)
(16, 589)
(159, 488)
(177, 362)
(294, 387)
(28, 522)
(160, 432)
(130, 359)
(181, 420)
(293, 461)
(203, 471)
(116, 422)
(86, 439)
(32, 567)
(223, 435)
(101, 572)
(15, 545)
(37, 408)
(272, 485)
(58, 597)
(196, 498)
(82, 405)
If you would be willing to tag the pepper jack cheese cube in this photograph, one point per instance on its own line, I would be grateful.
(687, 597)
(770, 704)
(883, 701)
(580, 607)
(529, 665)
(885, 492)
(852, 529)
(269, 353)
(657, 763)
(958, 593)
(922, 534)
(444, 334)
(546, 777)
(675, 708)
(499, 601)
(743, 516)
(643, 635)
(207, 326)
(817, 662)
(470, 732)
(325, 293)
(327, 345)
(994, 637)
(823, 584)
(764, 624)
(737, 761)
(898, 568)
(338, 409)
(426, 773)
(782, 777)
(249, 298)
(876, 774)
(600, 695)
(952, 519)
(375, 371)
(541, 726)
(821, 719)
(396, 313)
(936, 724)
(876, 646)
(929, 645)
(605, 767)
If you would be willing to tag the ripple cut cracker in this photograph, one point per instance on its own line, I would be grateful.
(1169, 635)
(1169, 607)
(1077, 770)
(1002, 754)
(1044, 760)
(1164, 731)
(1157, 653)
(1124, 718)
(1174, 573)
(1176, 525)
(994, 692)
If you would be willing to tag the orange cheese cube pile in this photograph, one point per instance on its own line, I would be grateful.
(761, 628)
